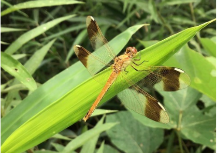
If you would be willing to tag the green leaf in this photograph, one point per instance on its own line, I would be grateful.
(34, 62)
(87, 136)
(109, 149)
(201, 71)
(5, 29)
(91, 145)
(38, 3)
(34, 33)
(209, 46)
(17, 70)
(102, 111)
(57, 146)
(188, 119)
(4, 43)
(131, 136)
(101, 148)
(148, 122)
(31, 65)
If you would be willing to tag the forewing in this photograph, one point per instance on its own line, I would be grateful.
(98, 41)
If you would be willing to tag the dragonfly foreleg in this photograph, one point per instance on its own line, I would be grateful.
(126, 70)
(136, 68)
(139, 63)
(138, 58)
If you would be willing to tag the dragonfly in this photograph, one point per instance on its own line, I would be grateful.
(134, 97)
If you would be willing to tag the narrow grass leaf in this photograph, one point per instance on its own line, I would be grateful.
(34, 33)
(38, 3)
(5, 29)
(16, 69)
(31, 65)
(101, 148)
(90, 146)
(88, 135)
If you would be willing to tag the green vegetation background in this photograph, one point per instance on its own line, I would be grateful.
(46, 91)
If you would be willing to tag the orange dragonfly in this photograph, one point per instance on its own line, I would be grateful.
(134, 98)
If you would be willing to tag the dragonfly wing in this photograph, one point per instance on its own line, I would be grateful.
(164, 78)
(98, 41)
(138, 100)
(142, 103)
(93, 63)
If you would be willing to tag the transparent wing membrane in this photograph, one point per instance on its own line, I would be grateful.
(98, 41)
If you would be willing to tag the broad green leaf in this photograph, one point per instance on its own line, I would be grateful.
(201, 71)
(148, 122)
(38, 3)
(132, 136)
(34, 33)
(50, 99)
(16, 69)
(188, 119)
(209, 46)
(210, 106)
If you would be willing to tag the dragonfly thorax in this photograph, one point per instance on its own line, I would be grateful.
(122, 61)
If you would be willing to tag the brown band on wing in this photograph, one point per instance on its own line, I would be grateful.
(152, 109)
(82, 54)
(94, 32)
(170, 78)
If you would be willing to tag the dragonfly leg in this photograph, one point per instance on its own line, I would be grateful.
(138, 59)
(126, 70)
(136, 68)
(139, 63)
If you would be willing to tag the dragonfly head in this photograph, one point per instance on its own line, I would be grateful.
(131, 52)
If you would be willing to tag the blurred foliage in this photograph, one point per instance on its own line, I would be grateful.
(37, 38)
